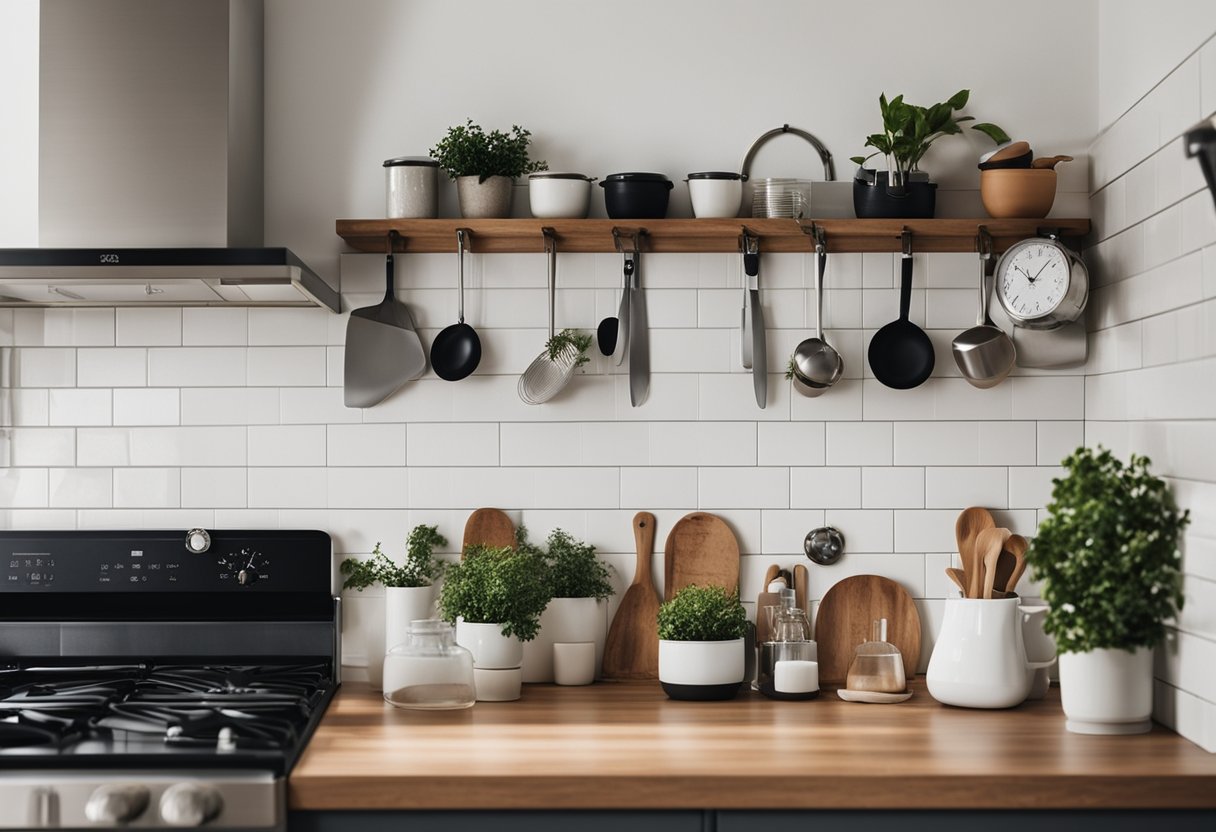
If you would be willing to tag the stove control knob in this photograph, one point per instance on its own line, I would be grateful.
(198, 541)
(189, 804)
(246, 576)
(116, 803)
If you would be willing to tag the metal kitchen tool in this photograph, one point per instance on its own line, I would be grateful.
(621, 342)
(383, 351)
(456, 351)
(901, 354)
(639, 336)
(824, 545)
(817, 366)
(549, 373)
(984, 353)
(755, 352)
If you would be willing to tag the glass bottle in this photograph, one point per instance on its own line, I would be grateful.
(791, 643)
(429, 671)
(878, 665)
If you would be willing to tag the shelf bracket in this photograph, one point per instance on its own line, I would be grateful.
(464, 241)
(983, 243)
(550, 239)
(749, 243)
(906, 242)
(393, 236)
(634, 237)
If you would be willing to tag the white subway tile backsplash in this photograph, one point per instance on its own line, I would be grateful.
(825, 488)
(196, 367)
(119, 367)
(960, 487)
(80, 407)
(885, 487)
(147, 406)
(203, 446)
(368, 487)
(147, 487)
(789, 443)
(315, 405)
(1007, 443)
(867, 530)
(784, 531)
(704, 443)
(304, 488)
(288, 366)
(40, 447)
(1057, 440)
(23, 488)
(653, 487)
(722, 488)
(452, 445)
(215, 326)
(1047, 397)
(365, 445)
(230, 406)
(937, 443)
(859, 443)
(218, 488)
(24, 408)
(289, 445)
(81, 487)
(148, 327)
(63, 327)
(289, 327)
(925, 531)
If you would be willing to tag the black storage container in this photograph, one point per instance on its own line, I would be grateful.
(915, 200)
(638, 196)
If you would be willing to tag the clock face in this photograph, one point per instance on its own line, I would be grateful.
(1034, 280)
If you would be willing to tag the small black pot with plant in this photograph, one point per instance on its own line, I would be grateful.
(903, 190)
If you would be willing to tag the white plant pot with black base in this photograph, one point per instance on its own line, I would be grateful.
(702, 671)
(1107, 691)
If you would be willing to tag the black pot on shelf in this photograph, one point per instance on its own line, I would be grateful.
(639, 196)
(875, 198)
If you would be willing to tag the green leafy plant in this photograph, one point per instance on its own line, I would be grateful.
(789, 369)
(468, 150)
(571, 568)
(497, 586)
(702, 613)
(569, 343)
(909, 130)
(1107, 554)
(421, 568)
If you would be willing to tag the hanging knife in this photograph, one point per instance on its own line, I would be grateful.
(759, 350)
(639, 337)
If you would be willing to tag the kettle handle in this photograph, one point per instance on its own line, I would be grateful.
(1030, 612)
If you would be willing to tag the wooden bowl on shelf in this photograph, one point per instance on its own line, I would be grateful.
(1018, 192)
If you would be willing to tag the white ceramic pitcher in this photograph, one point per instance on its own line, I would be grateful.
(979, 659)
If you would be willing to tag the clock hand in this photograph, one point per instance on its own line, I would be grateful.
(1040, 271)
(1025, 273)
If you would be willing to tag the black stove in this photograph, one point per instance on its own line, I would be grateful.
(160, 679)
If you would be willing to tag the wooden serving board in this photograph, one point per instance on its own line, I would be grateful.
(632, 648)
(488, 527)
(846, 614)
(701, 549)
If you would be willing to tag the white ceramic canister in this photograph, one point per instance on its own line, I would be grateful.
(979, 659)
(554, 195)
(411, 187)
(715, 193)
(565, 620)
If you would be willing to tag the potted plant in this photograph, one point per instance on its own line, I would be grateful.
(577, 582)
(495, 596)
(903, 190)
(701, 652)
(409, 589)
(485, 166)
(1108, 557)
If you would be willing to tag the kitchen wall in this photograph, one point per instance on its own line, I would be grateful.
(1152, 313)
(230, 417)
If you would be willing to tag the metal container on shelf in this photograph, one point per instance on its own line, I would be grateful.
(411, 188)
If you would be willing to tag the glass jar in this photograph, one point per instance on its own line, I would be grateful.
(788, 663)
(429, 671)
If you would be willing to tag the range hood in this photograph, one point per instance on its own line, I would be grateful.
(150, 162)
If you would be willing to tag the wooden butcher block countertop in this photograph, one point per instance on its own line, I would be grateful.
(626, 746)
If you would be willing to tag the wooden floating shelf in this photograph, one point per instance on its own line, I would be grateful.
(696, 235)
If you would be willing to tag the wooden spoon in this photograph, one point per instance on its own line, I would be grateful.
(959, 577)
(632, 648)
(802, 584)
(1016, 546)
(1049, 161)
(967, 529)
(988, 547)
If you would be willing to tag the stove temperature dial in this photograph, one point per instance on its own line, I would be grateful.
(189, 804)
(247, 566)
(116, 803)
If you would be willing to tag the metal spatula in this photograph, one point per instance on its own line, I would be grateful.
(382, 349)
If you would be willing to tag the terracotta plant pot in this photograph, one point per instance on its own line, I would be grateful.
(1018, 192)
(484, 200)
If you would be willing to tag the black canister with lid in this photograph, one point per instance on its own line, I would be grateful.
(641, 196)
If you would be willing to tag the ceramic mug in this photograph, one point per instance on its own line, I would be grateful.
(979, 659)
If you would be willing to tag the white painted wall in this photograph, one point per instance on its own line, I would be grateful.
(19, 123)
(1153, 309)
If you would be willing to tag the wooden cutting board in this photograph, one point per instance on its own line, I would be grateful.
(701, 549)
(632, 648)
(846, 614)
(488, 527)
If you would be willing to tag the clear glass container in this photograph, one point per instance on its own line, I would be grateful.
(429, 671)
(878, 665)
(791, 634)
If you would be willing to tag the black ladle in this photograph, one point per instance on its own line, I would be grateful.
(901, 354)
(605, 335)
(456, 351)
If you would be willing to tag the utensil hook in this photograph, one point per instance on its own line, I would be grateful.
(906, 242)
(983, 243)
(460, 246)
(749, 243)
(550, 240)
(630, 252)
(388, 280)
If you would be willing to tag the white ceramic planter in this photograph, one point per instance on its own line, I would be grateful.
(701, 670)
(979, 658)
(1107, 691)
(484, 200)
(363, 633)
(715, 197)
(403, 604)
(565, 620)
(559, 195)
(497, 685)
(490, 648)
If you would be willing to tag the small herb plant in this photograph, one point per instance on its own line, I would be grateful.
(421, 568)
(909, 130)
(468, 150)
(569, 344)
(789, 369)
(497, 586)
(571, 568)
(1107, 554)
(702, 613)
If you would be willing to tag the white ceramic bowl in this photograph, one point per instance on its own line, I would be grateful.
(715, 194)
(559, 195)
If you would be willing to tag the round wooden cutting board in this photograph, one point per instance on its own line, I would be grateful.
(846, 615)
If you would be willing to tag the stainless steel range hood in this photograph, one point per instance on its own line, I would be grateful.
(150, 162)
